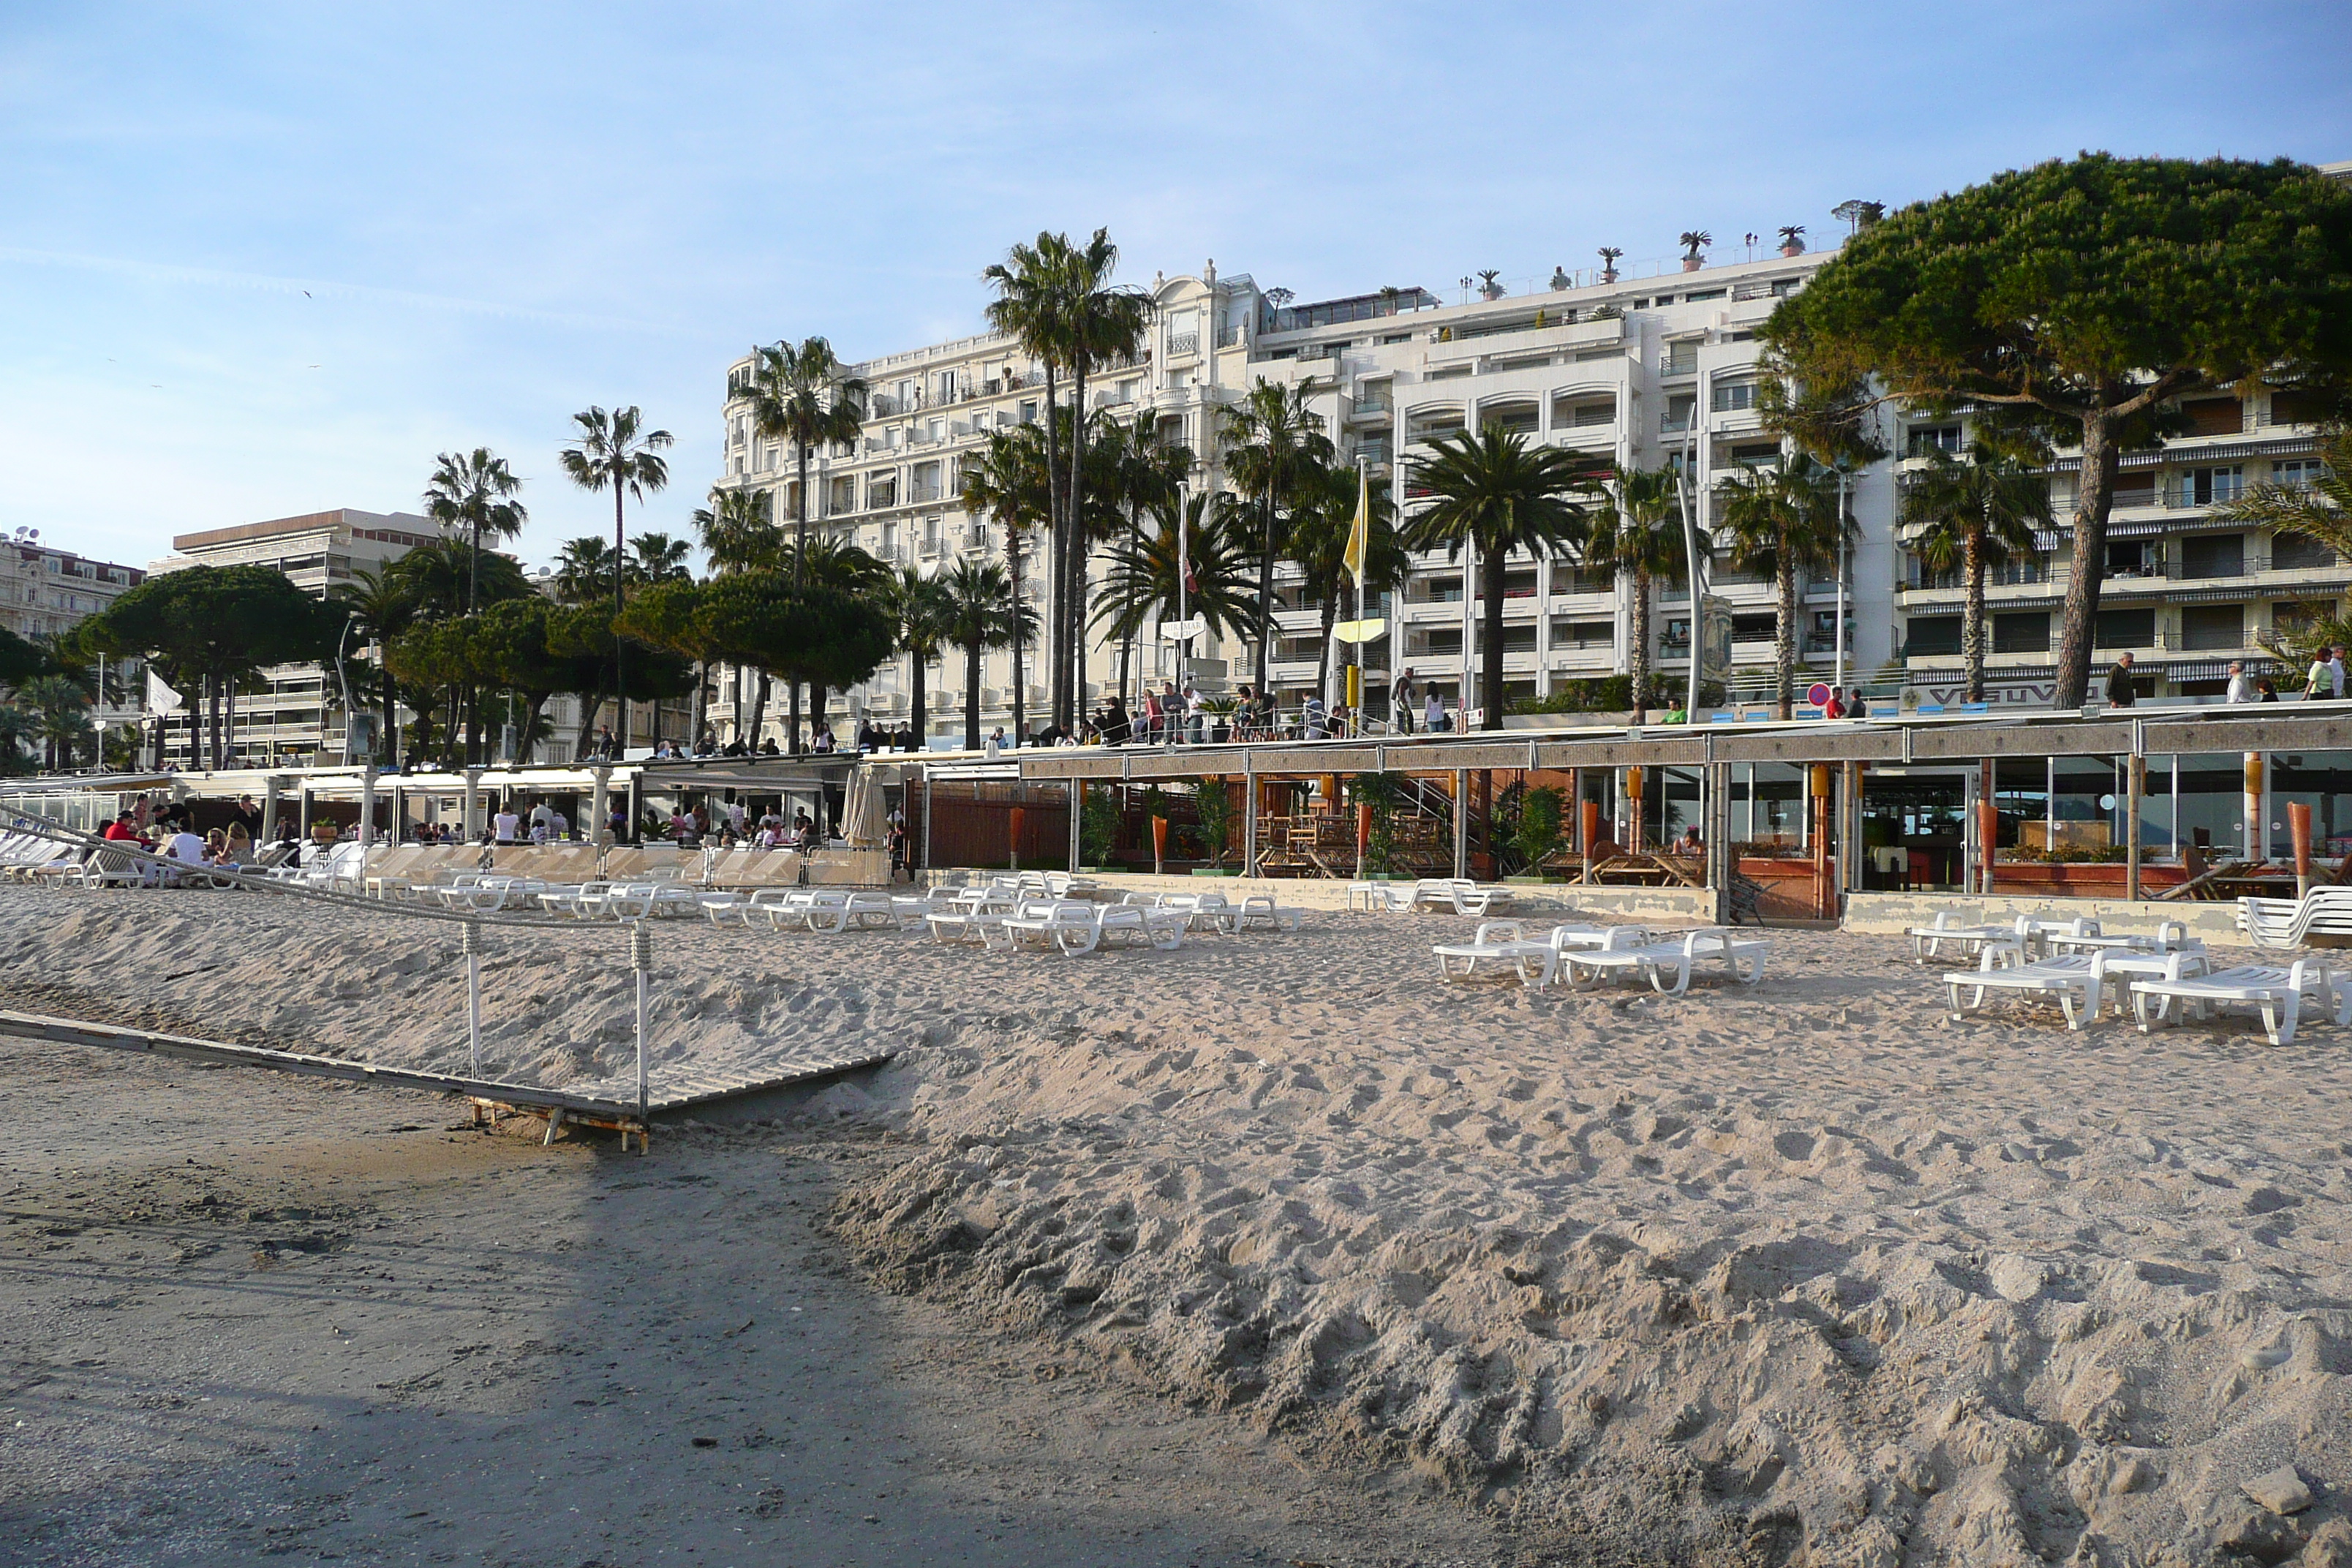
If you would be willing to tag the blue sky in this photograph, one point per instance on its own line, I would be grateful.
(265, 260)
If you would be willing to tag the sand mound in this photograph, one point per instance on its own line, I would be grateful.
(1795, 1274)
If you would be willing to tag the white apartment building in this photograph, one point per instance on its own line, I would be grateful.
(298, 713)
(1638, 370)
(1646, 370)
(45, 591)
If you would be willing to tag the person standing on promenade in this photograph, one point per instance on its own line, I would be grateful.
(2119, 683)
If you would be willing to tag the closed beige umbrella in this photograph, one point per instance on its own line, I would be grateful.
(865, 828)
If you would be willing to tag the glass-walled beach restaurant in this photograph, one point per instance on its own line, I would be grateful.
(2194, 802)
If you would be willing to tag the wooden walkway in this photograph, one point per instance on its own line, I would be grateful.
(605, 1103)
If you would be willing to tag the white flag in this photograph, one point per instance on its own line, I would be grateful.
(161, 699)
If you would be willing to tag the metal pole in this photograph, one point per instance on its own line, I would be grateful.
(1690, 548)
(1469, 631)
(1249, 813)
(641, 959)
(473, 948)
(1838, 679)
(1076, 795)
(1461, 823)
(2135, 786)
(926, 821)
(1184, 644)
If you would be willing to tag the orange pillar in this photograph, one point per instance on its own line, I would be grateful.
(1016, 817)
(2298, 822)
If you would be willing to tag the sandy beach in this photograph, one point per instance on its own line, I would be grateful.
(1794, 1273)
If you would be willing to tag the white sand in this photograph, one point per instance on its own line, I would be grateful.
(1794, 1273)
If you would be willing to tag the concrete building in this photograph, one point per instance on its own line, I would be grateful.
(44, 591)
(1640, 370)
(1648, 371)
(298, 713)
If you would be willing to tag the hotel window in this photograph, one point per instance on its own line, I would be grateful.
(1734, 396)
(2027, 631)
(844, 497)
(2213, 487)
(2297, 473)
(1682, 358)
(926, 483)
(2299, 552)
(2124, 628)
(881, 490)
(1926, 439)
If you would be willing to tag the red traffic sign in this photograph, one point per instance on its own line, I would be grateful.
(1818, 695)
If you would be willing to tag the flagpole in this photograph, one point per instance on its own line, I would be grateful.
(1183, 570)
(1363, 503)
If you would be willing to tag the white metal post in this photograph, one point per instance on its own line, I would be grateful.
(1691, 559)
(1469, 628)
(473, 947)
(641, 958)
(1838, 677)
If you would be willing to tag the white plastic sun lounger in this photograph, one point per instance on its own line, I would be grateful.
(1136, 926)
(1928, 941)
(2277, 993)
(1260, 910)
(1074, 928)
(1677, 956)
(2075, 980)
(1536, 959)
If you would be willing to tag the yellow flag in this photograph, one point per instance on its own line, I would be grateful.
(1359, 536)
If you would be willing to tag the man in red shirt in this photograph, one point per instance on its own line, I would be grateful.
(121, 830)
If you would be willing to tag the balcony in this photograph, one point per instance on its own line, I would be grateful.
(1184, 342)
(1371, 410)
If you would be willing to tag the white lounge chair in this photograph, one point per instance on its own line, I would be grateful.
(1536, 959)
(1677, 956)
(1928, 941)
(1074, 928)
(1260, 910)
(2075, 980)
(2276, 993)
(1137, 926)
(1380, 898)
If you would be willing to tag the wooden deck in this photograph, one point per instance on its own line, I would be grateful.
(604, 1102)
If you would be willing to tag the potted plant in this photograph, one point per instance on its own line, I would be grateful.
(1220, 712)
(1609, 255)
(1214, 802)
(1694, 242)
(1792, 239)
(1537, 835)
(1488, 286)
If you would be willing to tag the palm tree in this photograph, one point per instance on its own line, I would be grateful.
(1783, 520)
(584, 567)
(831, 566)
(1972, 515)
(615, 452)
(1494, 494)
(739, 531)
(1694, 241)
(1320, 526)
(804, 394)
(1148, 579)
(2319, 509)
(659, 558)
(1276, 436)
(385, 605)
(1633, 534)
(471, 494)
(1148, 475)
(1032, 307)
(1107, 326)
(978, 613)
(919, 605)
(59, 705)
(1004, 485)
